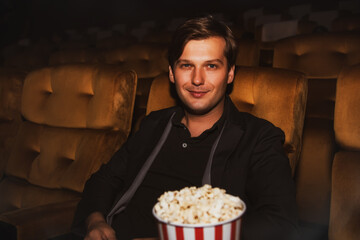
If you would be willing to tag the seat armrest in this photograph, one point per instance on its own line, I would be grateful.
(42, 222)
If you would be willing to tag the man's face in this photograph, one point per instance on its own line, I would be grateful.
(201, 75)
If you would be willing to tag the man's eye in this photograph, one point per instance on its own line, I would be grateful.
(212, 66)
(185, 65)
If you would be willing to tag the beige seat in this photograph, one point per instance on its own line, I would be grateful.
(248, 53)
(349, 22)
(321, 57)
(345, 191)
(148, 60)
(11, 83)
(76, 117)
(274, 94)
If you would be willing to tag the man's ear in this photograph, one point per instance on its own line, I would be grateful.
(231, 74)
(171, 75)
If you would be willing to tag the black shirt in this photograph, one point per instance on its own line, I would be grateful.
(180, 163)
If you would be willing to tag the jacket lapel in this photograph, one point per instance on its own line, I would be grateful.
(229, 140)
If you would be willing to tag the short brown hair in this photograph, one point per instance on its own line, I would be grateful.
(198, 29)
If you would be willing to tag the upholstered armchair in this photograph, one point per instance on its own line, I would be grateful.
(148, 60)
(349, 22)
(345, 190)
(276, 95)
(321, 57)
(75, 118)
(248, 53)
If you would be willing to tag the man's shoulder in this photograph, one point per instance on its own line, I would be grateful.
(250, 122)
(247, 119)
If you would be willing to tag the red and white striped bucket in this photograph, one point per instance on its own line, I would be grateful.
(226, 230)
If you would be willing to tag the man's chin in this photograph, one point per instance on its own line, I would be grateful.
(197, 111)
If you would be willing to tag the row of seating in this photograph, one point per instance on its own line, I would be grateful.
(76, 116)
(71, 119)
(321, 57)
(311, 144)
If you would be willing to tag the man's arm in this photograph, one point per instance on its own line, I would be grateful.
(104, 186)
(270, 190)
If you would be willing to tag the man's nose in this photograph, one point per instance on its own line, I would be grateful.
(198, 77)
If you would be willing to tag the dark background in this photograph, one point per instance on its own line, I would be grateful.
(36, 18)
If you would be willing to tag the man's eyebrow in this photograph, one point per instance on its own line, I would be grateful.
(208, 61)
(215, 60)
(182, 61)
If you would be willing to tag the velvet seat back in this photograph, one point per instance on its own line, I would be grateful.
(248, 53)
(345, 194)
(345, 23)
(148, 60)
(76, 117)
(321, 57)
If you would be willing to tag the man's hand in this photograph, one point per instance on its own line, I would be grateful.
(98, 229)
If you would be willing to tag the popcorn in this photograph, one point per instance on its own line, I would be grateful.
(204, 205)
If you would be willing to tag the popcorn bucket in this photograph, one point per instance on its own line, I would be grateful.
(226, 230)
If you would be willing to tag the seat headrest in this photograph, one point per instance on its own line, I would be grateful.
(347, 109)
(79, 96)
(11, 83)
(318, 55)
(148, 60)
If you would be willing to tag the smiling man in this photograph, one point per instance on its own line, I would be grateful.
(205, 140)
(202, 76)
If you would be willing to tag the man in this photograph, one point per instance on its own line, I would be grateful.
(205, 140)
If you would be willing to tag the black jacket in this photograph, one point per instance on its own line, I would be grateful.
(249, 162)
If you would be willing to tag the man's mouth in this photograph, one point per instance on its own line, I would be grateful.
(198, 94)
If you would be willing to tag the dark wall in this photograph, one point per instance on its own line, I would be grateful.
(34, 18)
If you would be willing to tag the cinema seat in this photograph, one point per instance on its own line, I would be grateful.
(350, 23)
(274, 94)
(345, 190)
(148, 60)
(321, 57)
(11, 83)
(75, 118)
(248, 53)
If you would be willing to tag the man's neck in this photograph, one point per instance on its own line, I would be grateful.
(197, 124)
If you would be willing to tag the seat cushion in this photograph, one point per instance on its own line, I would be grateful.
(345, 197)
(58, 158)
(347, 111)
(19, 194)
